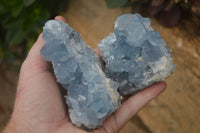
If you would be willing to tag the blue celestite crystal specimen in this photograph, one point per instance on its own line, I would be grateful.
(91, 96)
(135, 55)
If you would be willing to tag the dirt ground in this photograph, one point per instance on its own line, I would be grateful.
(176, 110)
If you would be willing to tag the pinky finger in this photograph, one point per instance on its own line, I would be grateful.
(134, 104)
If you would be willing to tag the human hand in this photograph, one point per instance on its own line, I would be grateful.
(39, 107)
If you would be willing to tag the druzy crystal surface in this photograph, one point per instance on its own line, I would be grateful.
(91, 97)
(135, 55)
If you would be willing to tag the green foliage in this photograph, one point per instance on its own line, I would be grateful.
(168, 12)
(117, 3)
(20, 22)
(121, 3)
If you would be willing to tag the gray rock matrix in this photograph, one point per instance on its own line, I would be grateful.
(135, 57)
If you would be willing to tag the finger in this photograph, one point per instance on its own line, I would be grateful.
(37, 87)
(60, 18)
(132, 106)
(34, 62)
(98, 52)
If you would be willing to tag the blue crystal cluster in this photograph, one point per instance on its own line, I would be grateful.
(91, 96)
(135, 55)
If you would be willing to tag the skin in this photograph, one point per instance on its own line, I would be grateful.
(39, 106)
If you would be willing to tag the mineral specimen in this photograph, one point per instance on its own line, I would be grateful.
(135, 55)
(91, 96)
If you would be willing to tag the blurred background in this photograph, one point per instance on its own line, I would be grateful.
(177, 110)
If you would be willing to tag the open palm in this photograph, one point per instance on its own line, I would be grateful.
(39, 106)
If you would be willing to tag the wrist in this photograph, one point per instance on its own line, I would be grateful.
(14, 127)
(10, 128)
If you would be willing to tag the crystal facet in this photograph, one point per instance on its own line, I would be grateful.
(91, 96)
(135, 55)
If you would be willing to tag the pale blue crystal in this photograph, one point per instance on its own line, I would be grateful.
(91, 96)
(135, 55)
